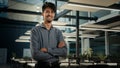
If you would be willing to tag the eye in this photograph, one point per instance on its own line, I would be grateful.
(47, 11)
(52, 11)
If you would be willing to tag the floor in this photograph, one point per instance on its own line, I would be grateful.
(4, 65)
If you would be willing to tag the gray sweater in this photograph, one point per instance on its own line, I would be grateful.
(43, 38)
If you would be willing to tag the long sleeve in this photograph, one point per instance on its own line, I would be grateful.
(59, 51)
(35, 50)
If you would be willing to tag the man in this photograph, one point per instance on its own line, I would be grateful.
(47, 43)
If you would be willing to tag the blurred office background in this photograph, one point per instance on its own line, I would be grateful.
(86, 24)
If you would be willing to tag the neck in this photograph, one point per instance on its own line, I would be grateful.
(47, 25)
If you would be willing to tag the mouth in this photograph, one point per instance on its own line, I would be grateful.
(49, 17)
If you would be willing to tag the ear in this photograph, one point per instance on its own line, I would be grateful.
(42, 14)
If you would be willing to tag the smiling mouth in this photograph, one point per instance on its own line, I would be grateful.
(48, 16)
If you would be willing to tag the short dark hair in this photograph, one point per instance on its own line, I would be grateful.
(50, 5)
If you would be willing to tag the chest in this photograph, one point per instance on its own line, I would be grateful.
(48, 38)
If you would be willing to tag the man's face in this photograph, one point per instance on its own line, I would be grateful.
(48, 15)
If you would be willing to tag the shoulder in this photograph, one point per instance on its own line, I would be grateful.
(56, 29)
(35, 28)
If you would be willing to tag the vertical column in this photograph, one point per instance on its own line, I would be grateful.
(77, 34)
(106, 43)
(68, 48)
(86, 43)
(82, 45)
(56, 7)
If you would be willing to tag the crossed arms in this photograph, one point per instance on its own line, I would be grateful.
(46, 53)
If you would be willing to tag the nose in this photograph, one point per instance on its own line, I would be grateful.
(50, 13)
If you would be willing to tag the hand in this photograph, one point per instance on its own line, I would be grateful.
(43, 49)
(61, 44)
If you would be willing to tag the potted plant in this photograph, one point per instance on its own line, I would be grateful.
(87, 54)
(102, 57)
(13, 55)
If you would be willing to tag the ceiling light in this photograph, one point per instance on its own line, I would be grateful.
(76, 7)
(70, 39)
(96, 2)
(37, 11)
(21, 40)
(93, 7)
(59, 23)
(112, 30)
(67, 35)
(88, 35)
(24, 37)
(27, 33)
(38, 7)
(85, 7)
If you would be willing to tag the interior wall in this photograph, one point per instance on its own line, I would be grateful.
(9, 32)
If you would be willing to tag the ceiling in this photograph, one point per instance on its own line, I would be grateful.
(96, 2)
(30, 10)
(109, 22)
